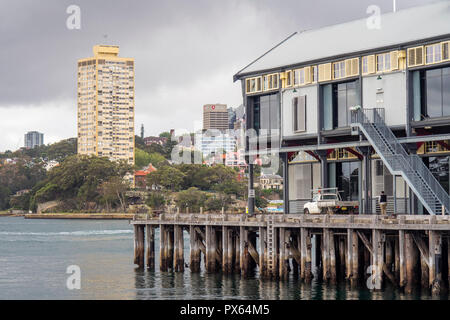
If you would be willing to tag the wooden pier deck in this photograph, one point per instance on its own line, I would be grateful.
(406, 250)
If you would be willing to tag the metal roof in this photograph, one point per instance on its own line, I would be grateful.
(403, 26)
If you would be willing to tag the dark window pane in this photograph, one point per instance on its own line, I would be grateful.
(327, 107)
(274, 112)
(439, 167)
(265, 112)
(434, 93)
(354, 190)
(342, 105)
(446, 91)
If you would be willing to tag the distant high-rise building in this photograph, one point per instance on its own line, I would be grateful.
(231, 118)
(33, 139)
(106, 104)
(215, 116)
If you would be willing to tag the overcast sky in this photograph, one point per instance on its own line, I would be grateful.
(185, 51)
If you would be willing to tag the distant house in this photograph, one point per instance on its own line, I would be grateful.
(141, 175)
(158, 140)
(51, 164)
(271, 181)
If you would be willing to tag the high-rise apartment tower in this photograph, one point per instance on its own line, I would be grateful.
(33, 139)
(106, 105)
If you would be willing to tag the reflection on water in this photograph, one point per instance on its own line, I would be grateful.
(35, 254)
(219, 286)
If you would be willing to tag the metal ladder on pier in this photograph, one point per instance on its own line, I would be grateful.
(270, 245)
(418, 177)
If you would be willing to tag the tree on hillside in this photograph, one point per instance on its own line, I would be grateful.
(169, 177)
(57, 151)
(191, 198)
(18, 176)
(113, 190)
(141, 158)
(139, 142)
(78, 178)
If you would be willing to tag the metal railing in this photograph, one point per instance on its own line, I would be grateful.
(419, 178)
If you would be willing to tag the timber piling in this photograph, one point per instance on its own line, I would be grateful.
(407, 251)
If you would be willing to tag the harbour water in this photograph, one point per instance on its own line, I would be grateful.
(35, 255)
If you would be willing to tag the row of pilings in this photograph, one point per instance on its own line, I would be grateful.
(370, 257)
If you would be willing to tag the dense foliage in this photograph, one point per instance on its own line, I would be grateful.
(79, 180)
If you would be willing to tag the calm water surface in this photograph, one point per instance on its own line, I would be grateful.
(35, 254)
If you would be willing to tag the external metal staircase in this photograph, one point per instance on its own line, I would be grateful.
(418, 177)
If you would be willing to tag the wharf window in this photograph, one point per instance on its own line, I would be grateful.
(299, 116)
(431, 93)
(253, 85)
(384, 62)
(339, 70)
(303, 76)
(288, 78)
(337, 99)
(439, 167)
(314, 74)
(344, 176)
(265, 113)
(299, 77)
(415, 56)
(270, 82)
(445, 51)
(433, 53)
(352, 67)
(325, 72)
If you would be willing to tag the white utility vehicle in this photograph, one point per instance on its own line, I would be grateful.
(329, 201)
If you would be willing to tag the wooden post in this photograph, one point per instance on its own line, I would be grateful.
(262, 252)
(435, 251)
(282, 256)
(411, 261)
(230, 250)
(389, 254)
(210, 249)
(170, 246)
(402, 257)
(162, 248)
(194, 264)
(326, 254)
(150, 247)
(135, 261)
(448, 260)
(139, 245)
(342, 251)
(252, 241)
(355, 259)
(244, 256)
(296, 247)
(348, 261)
(178, 249)
(377, 258)
(332, 257)
(425, 276)
(237, 245)
(318, 256)
(305, 243)
(397, 260)
(276, 253)
(225, 262)
(287, 237)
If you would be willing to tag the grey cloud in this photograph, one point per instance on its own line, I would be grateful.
(176, 45)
